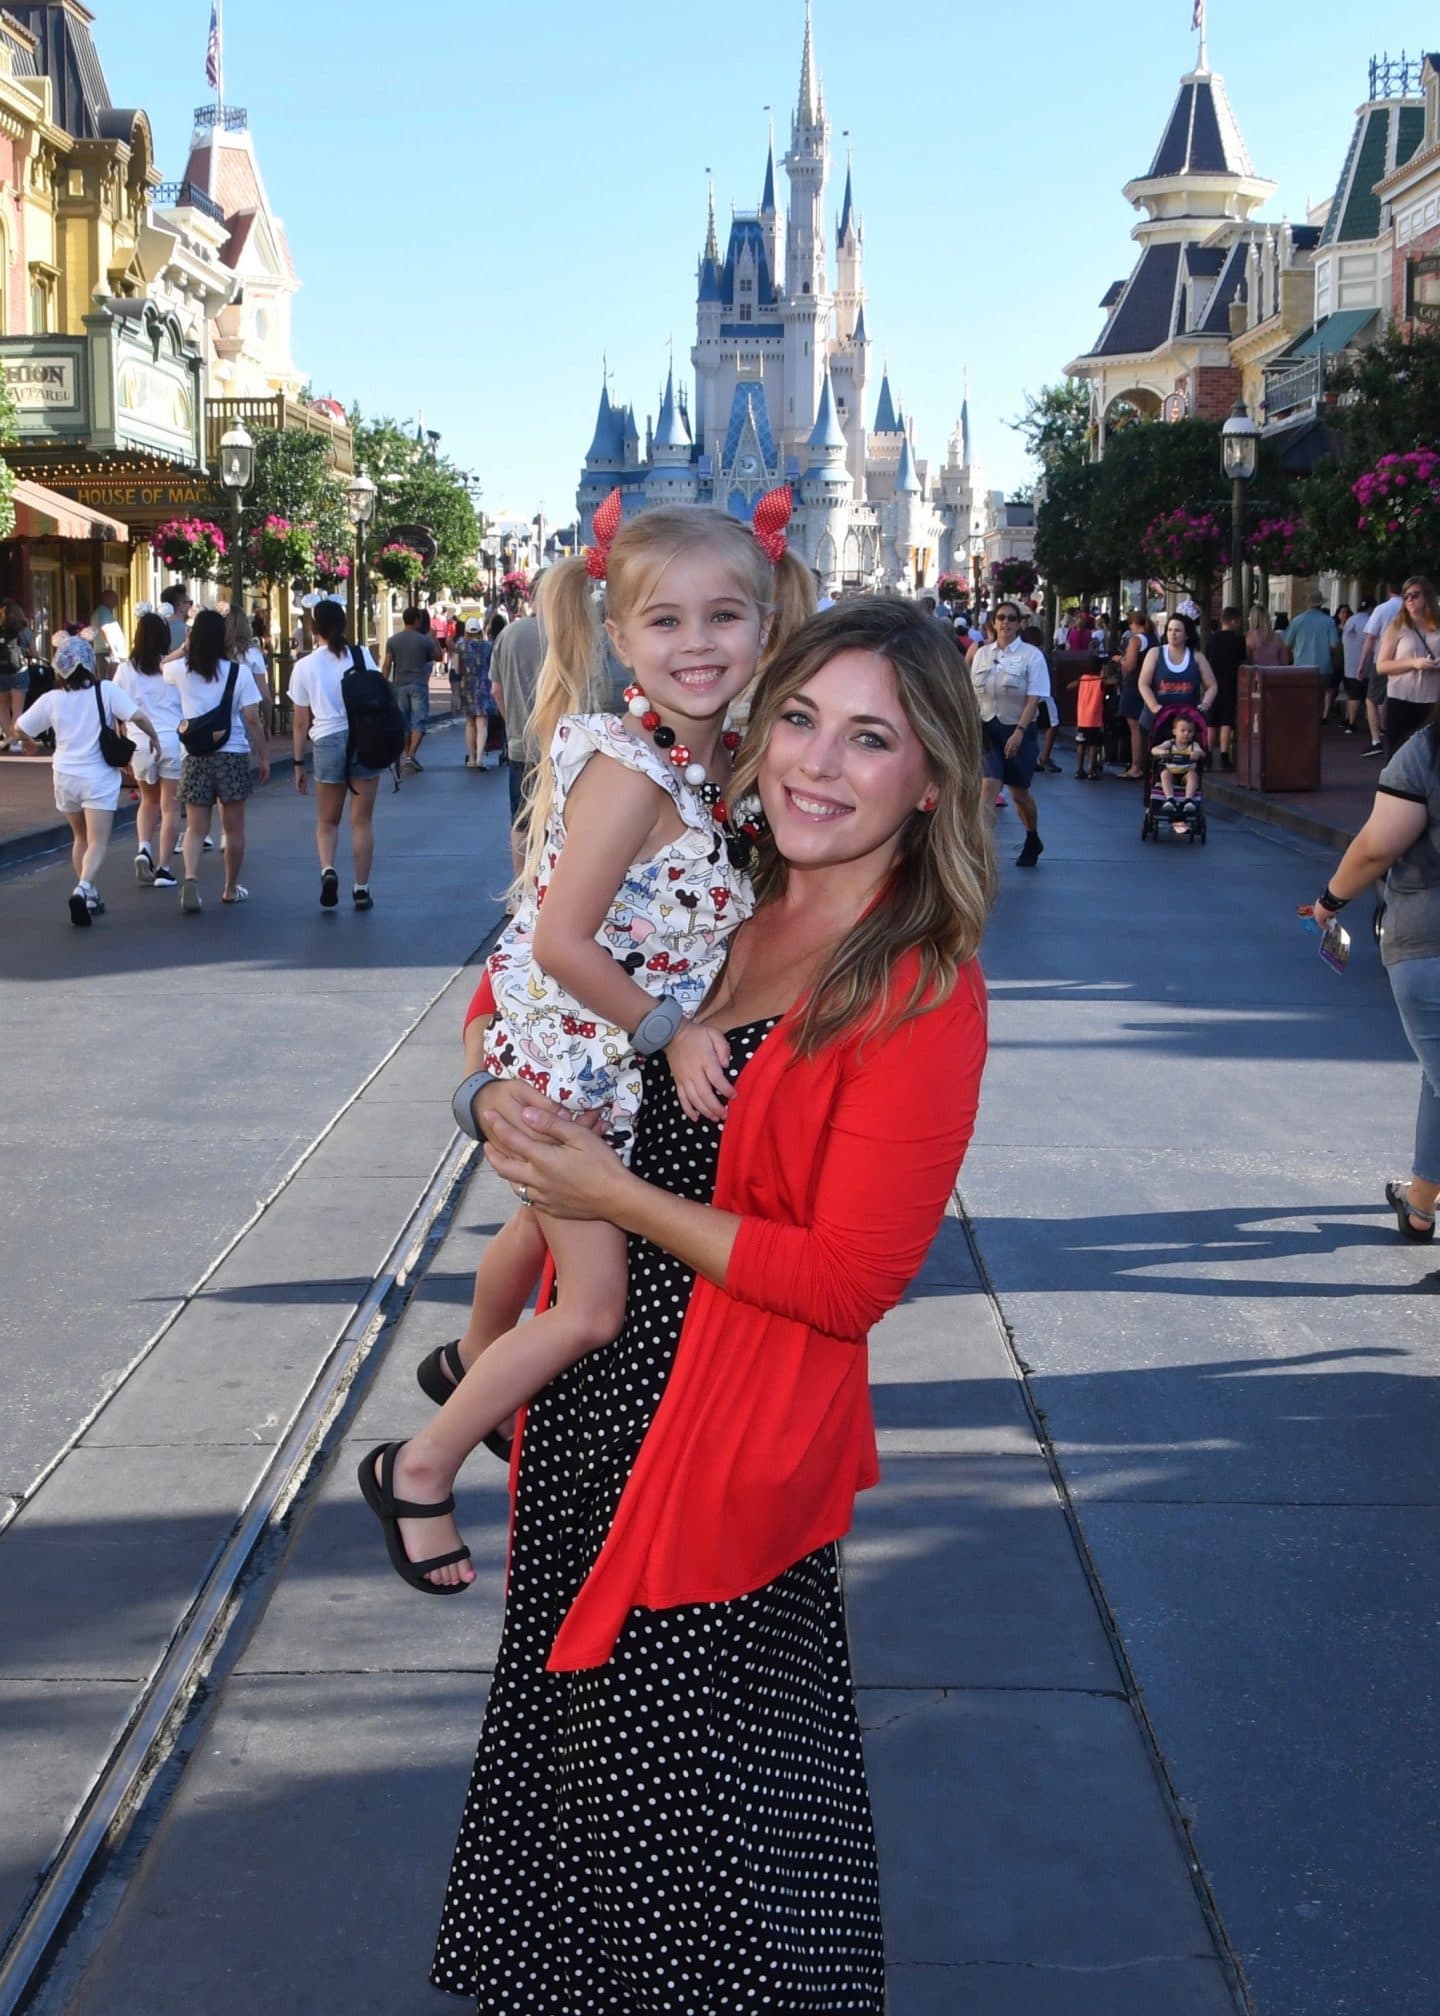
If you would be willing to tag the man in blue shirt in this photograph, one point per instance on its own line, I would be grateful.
(1313, 640)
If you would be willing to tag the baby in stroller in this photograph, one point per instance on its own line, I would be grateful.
(1178, 749)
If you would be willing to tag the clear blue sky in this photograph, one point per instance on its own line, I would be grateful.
(473, 240)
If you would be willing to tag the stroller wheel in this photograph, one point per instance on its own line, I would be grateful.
(1145, 827)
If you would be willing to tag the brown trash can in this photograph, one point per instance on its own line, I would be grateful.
(1277, 736)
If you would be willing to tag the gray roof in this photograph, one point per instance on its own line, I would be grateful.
(67, 55)
(1201, 137)
(1145, 315)
(1385, 137)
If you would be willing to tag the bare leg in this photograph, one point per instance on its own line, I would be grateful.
(232, 821)
(472, 738)
(76, 823)
(362, 827)
(591, 1257)
(197, 831)
(147, 819)
(1372, 719)
(1024, 804)
(1137, 749)
(97, 839)
(329, 809)
(169, 816)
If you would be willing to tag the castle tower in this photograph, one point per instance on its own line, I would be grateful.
(671, 477)
(806, 305)
(769, 218)
(849, 258)
(604, 461)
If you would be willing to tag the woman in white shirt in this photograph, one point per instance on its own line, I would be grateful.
(318, 710)
(156, 768)
(200, 678)
(1408, 658)
(241, 649)
(87, 788)
(1011, 679)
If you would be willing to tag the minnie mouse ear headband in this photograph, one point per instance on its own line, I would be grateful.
(772, 515)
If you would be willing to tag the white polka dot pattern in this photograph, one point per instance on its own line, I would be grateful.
(686, 1830)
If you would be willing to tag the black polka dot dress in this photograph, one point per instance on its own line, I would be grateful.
(685, 1830)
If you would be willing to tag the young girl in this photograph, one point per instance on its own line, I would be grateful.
(157, 766)
(87, 788)
(634, 879)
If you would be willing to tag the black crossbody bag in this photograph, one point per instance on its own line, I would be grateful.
(208, 733)
(117, 749)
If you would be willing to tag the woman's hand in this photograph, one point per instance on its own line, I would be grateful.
(1013, 741)
(697, 1056)
(562, 1167)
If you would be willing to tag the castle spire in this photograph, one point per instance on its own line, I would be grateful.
(807, 111)
(712, 249)
(965, 420)
(847, 206)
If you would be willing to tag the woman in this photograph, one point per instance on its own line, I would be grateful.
(1401, 840)
(1408, 659)
(473, 652)
(1176, 673)
(201, 677)
(671, 1736)
(241, 648)
(317, 702)
(1138, 640)
(87, 788)
(17, 649)
(1011, 679)
(157, 769)
(1263, 644)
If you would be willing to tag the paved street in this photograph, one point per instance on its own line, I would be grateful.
(1174, 1188)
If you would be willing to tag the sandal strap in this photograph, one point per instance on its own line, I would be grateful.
(454, 1363)
(441, 1561)
(405, 1508)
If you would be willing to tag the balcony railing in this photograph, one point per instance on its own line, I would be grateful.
(229, 118)
(187, 196)
(277, 414)
(1295, 383)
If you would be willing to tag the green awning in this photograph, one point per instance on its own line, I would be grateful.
(1335, 333)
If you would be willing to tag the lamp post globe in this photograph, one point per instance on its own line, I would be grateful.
(361, 497)
(237, 473)
(1239, 448)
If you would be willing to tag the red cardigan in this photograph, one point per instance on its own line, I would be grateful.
(841, 1167)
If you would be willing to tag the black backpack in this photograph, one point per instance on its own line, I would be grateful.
(208, 733)
(377, 727)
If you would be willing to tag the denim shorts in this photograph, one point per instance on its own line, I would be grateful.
(414, 698)
(15, 682)
(329, 753)
(1016, 770)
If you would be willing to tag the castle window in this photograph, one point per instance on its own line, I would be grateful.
(747, 313)
(806, 288)
(747, 286)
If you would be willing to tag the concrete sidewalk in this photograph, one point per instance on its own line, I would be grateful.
(1030, 1861)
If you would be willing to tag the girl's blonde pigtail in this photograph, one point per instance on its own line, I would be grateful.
(570, 625)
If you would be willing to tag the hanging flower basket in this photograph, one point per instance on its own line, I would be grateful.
(332, 571)
(1278, 545)
(192, 547)
(952, 588)
(1398, 511)
(516, 582)
(1013, 577)
(281, 551)
(1184, 548)
(400, 565)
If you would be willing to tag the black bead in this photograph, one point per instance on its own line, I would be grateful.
(710, 794)
(664, 737)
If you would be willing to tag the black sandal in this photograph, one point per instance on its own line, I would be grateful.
(379, 1495)
(430, 1377)
(1397, 1197)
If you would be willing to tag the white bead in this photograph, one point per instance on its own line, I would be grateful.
(694, 773)
(639, 705)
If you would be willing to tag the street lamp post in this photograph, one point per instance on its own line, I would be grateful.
(360, 497)
(237, 473)
(1239, 443)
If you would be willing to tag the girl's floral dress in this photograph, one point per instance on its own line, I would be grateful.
(667, 927)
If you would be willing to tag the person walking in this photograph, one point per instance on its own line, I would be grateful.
(1401, 841)
(1011, 679)
(156, 769)
(86, 784)
(202, 678)
(1314, 641)
(317, 701)
(17, 654)
(1137, 641)
(1387, 608)
(1176, 673)
(242, 648)
(660, 1763)
(408, 658)
(473, 654)
(1407, 657)
(1226, 653)
(1352, 654)
(515, 662)
(177, 608)
(1263, 643)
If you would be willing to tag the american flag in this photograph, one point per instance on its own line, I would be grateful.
(1197, 20)
(212, 47)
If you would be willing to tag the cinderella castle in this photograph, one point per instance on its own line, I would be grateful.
(782, 369)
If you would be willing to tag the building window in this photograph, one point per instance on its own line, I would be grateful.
(805, 289)
(42, 301)
(747, 313)
(747, 286)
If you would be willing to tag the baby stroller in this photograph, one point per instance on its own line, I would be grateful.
(1184, 820)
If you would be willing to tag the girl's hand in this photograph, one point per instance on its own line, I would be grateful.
(697, 1056)
(563, 1168)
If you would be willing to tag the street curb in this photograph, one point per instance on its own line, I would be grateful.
(1271, 812)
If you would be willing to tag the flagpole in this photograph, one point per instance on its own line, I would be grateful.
(1203, 65)
(220, 62)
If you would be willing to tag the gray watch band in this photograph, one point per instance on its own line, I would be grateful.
(464, 1099)
(657, 1028)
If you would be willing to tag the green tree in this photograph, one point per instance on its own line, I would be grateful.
(1055, 425)
(295, 478)
(1064, 549)
(1388, 404)
(419, 487)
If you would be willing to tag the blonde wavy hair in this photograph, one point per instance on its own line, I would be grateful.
(943, 883)
(572, 674)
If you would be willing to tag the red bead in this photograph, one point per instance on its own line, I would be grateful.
(731, 739)
(720, 811)
(679, 755)
(634, 693)
(750, 827)
(650, 720)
